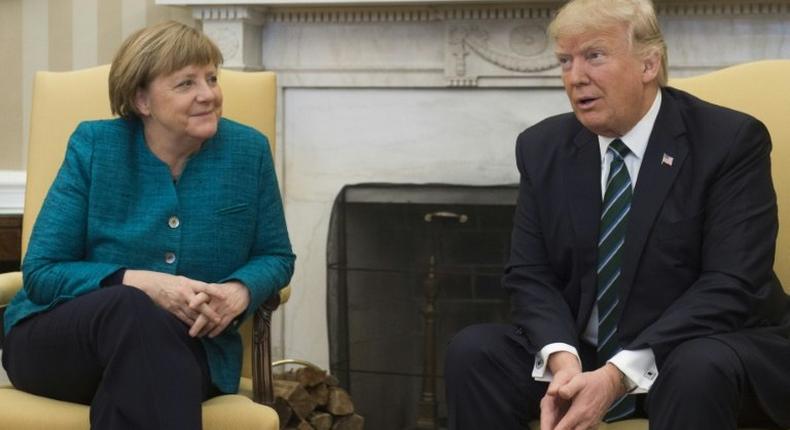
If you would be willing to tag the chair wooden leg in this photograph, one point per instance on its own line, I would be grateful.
(262, 352)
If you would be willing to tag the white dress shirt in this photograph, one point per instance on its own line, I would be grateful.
(639, 366)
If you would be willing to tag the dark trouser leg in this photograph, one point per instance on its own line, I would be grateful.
(702, 385)
(115, 349)
(488, 375)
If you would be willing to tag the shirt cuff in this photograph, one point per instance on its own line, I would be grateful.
(639, 368)
(541, 371)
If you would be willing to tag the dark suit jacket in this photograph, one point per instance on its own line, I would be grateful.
(699, 248)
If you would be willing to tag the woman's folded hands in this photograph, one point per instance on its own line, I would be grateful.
(206, 308)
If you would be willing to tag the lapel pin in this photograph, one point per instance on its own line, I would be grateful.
(667, 160)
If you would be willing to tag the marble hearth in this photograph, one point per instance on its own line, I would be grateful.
(424, 91)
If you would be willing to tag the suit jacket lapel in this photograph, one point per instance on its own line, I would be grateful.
(654, 182)
(582, 172)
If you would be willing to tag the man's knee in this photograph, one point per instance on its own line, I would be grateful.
(488, 378)
(475, 344)
(698, 366)
(486, 350)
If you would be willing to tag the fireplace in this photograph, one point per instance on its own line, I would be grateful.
(408, 266)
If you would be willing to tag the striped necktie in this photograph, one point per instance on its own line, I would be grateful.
(614, 220)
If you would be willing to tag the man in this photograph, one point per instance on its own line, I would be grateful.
(640, 272)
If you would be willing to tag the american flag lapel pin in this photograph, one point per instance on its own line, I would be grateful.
(667, 160)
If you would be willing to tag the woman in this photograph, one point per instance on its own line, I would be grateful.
(162, 231)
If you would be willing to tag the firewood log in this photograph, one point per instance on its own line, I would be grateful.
(300, 425)
(321, 420)
(349, 422)
(283, 410)
(339, 402)
(296, 396)
(310, 376)
(332, 381)
(320, 394)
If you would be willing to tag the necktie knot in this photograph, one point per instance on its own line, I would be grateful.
(619, 149)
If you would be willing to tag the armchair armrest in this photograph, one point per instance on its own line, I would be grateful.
(285, 294)
(10, 283)
(262, 383)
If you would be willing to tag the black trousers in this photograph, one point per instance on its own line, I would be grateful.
(488, 376)
(133, 362)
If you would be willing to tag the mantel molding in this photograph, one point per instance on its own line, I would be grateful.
(690, 7)
(407, 11)
(734, 7)
(228, 13)
(236, 30)
(485, 43)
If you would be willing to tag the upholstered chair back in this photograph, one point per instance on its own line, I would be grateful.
(761, 89)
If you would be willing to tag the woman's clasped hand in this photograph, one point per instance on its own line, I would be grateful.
(206, 308)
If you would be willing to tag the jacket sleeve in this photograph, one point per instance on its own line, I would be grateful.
(271, 264)
(738, 241)
(538, 307)
(55, 265)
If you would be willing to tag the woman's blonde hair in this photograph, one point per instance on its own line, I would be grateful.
(155, 51)
(639, 16)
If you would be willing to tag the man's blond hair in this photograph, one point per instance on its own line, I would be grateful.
(155, 51)
(639, 17)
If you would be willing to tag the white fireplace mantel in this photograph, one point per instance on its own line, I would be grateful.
(419, 92)
(474, 43)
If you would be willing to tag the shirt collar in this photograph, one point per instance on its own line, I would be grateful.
(636, 138)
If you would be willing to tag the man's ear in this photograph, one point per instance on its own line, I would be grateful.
(141, 102)
(651, 64)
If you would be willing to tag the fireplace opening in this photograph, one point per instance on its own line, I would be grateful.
(408, 266)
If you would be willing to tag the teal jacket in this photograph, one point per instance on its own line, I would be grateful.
(109, 208)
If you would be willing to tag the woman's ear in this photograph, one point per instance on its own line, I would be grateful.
(142, 103)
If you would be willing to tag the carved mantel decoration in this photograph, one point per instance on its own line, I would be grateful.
(524, 50)
(484, 44)
(236, 31)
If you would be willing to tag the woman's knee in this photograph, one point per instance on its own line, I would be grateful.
(127, 294)
(124, 308)
(125, 301)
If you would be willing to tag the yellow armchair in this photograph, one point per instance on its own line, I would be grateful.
(760, 89)
(60, 102)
